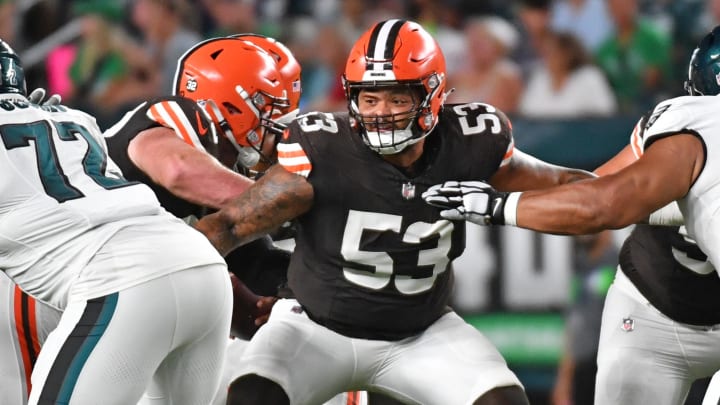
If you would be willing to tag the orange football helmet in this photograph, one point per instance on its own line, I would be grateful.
(396, 53)
(289, 66)
(241, 88)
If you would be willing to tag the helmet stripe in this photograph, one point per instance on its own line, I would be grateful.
(382, 44)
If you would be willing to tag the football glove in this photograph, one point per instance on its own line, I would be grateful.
(473, 201)
(38, 95)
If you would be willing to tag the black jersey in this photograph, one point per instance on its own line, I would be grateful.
(371, 257)
(259, 265)
(658, 260)
(177, 113)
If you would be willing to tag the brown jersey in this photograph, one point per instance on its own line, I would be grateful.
(372, 258)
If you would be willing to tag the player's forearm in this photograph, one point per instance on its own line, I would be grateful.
(573, 175)
(219, 232)
(526, 172)
(207, 183)
(580, 208)
(276, 198)
(241, 222)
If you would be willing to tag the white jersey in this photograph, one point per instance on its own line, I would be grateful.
(62, 201)
(699, 115)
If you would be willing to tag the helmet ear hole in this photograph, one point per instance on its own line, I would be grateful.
(231, 108)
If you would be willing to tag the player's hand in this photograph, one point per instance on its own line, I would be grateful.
(264, 306)
(473, 201)
(38, 95)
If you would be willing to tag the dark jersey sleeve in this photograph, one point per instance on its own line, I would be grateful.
(180, 114)
(485, 137)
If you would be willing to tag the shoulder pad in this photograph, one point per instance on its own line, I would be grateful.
(184, 116)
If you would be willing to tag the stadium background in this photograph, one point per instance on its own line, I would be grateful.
(514, 285)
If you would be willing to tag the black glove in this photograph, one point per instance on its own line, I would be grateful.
(473, 201)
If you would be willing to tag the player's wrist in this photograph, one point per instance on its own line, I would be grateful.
(508, 211)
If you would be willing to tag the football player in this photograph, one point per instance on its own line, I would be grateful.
(666, 284)
(660, 320)
(185, 147)
(76, 237)
(231, 94)
(25, 322)
(369, 279)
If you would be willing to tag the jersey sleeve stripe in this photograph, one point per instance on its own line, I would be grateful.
(169, 114)
(292, 154)
(292, 157)
(508, 153)
(288, 148)
(302, 170)
(293, 161)
(636, 140)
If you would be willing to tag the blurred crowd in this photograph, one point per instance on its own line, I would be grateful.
(531, 58)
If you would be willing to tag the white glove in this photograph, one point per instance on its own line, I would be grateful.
(473, 201)
(37, 96)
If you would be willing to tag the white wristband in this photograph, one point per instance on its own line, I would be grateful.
(510, 211)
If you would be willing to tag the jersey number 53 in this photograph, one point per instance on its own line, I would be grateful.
(358, 221)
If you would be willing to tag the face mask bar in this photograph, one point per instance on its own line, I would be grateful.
(691, 90)
(384, 133)
(263, 106)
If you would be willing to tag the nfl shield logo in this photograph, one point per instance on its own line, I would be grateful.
(408, 191)
(628, 324)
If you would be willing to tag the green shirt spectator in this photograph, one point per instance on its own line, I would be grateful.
(91, 74)
(636, 66)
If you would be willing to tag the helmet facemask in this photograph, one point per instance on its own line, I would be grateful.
(266, 111)
(392, 133)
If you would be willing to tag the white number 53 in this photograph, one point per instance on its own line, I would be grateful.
(358, 221)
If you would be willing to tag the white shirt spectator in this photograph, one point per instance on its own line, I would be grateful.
(585, 93)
